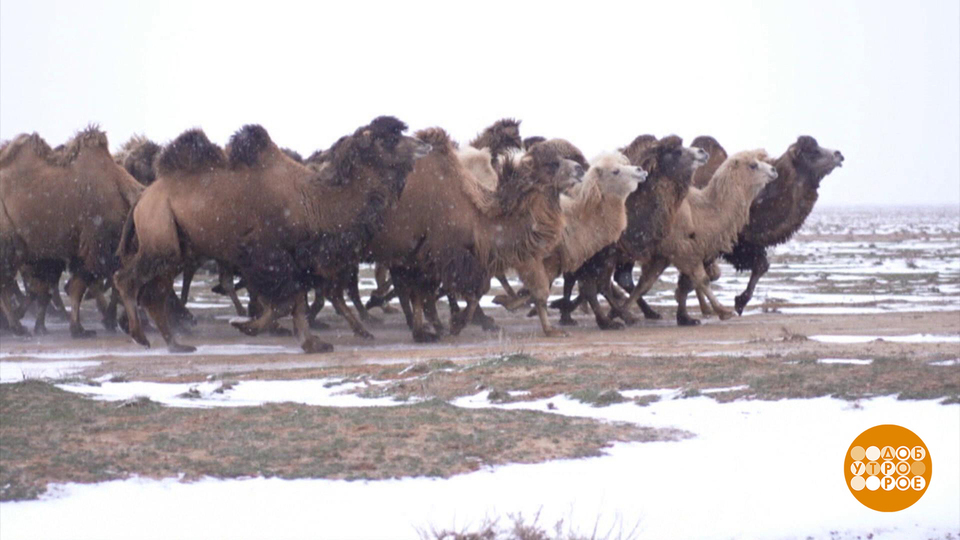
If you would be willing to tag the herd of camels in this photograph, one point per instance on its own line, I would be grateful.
(437, 219)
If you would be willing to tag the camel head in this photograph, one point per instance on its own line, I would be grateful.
(377, 146)
(752, 169)
(809, 157)
(550, 168)
(614, 175)
(668, 158)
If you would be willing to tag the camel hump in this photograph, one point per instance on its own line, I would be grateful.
(32, 141)
(437, 138)
(248, 144)
(190, 152)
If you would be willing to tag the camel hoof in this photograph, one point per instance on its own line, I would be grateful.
(79, 333)
(687, 321)
(555, 333)
(319, 325)
(427, 337)
(740, 302)
(141, 340)
(110, 325)
(388, 309)
(652, 315)
(364, 334)
(532, 313)
(313, 345)
(178, 348)
(725, 315)
(245, 328)
(610, 325)
(567, 321)
(40, 331)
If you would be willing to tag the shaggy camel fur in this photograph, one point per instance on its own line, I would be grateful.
(501, 138)
(283, 225)
(706, 225)
(63, 206)
(594, 213)
(448, 229)
(781, 208)
(136, 156)
(650, 213)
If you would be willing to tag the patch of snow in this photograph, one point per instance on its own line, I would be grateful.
(318, 392)
(12, 372)
(755, 469)
(954, 362)
(725, 389)
(851, 361)
(912, 338)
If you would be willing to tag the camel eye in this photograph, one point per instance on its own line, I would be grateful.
(616, 172)
(754, 165)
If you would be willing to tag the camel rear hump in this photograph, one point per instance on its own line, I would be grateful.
(247, 145)
(190, 153)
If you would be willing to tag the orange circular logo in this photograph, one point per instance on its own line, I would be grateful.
(888, 468)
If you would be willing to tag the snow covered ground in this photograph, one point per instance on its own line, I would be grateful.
(754, 469)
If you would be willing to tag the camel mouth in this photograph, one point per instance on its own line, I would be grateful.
(640, 175)
(422, 150)
(700, 156)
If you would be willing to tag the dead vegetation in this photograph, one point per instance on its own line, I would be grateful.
(599, 380)
(49, 435)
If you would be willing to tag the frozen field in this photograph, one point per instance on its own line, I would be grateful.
(734, 429)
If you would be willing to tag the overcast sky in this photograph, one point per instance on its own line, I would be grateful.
(878, 80)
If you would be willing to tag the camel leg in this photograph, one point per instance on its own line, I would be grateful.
(76, 287)
(308, 342)
(459, 321)
(156, 298)
(110, 315)
(128, 286)
(384, 291)
(353, 291)
(702, 283)
(59, 309)
(313, 310)
(40, 292)
(226, 283)
(651, 273)
(454, 305)
(535, 279)
(505, 284)
(267, 316)
(705, 309)
(760, 267)
(189, 270)
(6, 304)
(684, 286)
(616, 298)
(603, 320)
(336, 298)
(565, 314)
(624, 276)
(430, 311)
(420, 332)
